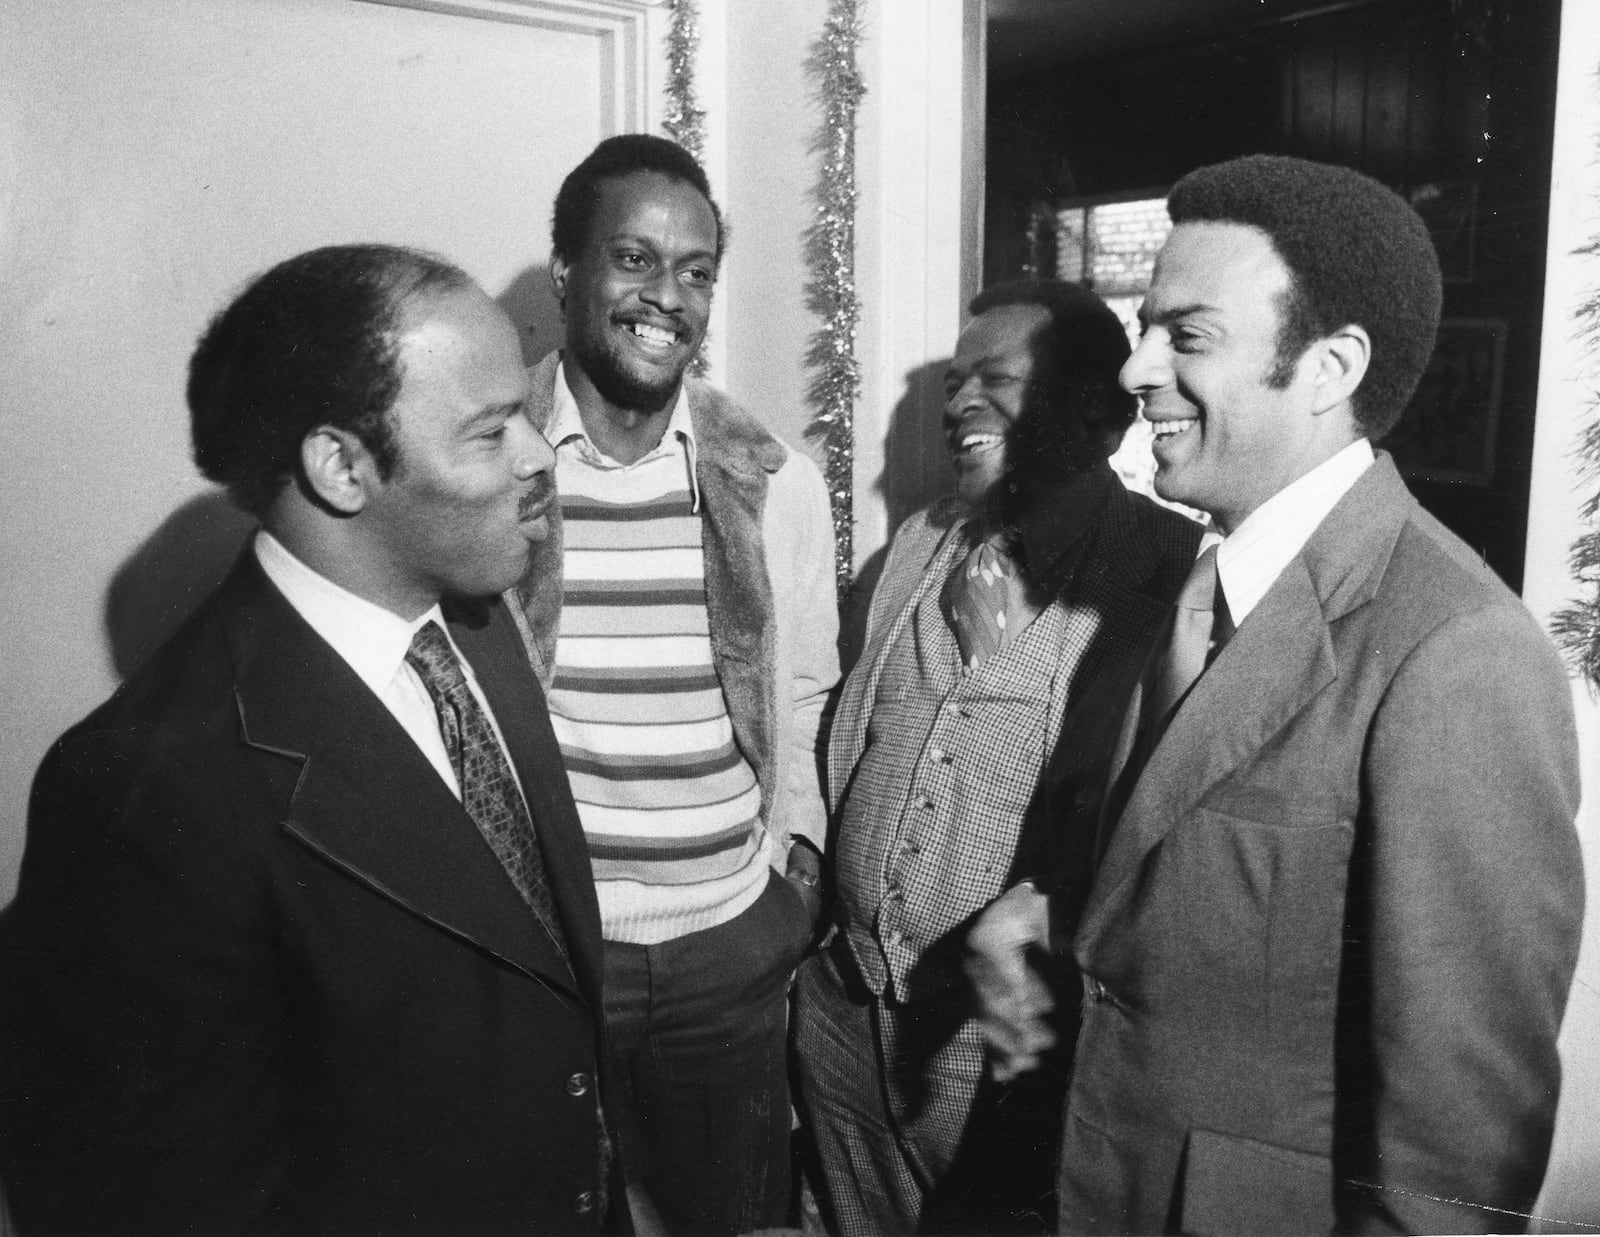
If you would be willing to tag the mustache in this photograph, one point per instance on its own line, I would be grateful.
(538, 498)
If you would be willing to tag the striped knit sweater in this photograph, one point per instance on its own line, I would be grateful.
(670, 807)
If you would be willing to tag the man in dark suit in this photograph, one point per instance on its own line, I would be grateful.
(306, 939)
(1328, 947)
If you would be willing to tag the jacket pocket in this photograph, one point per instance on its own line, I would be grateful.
(1302, 807)
(1238, 1186)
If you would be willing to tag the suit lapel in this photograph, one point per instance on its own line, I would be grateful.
(485, 637)
(367, 800)
(907, 586)
(1277, 662)
(1280, 659)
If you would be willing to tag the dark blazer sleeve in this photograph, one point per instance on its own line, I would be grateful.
(1469, 893)
(144, 999)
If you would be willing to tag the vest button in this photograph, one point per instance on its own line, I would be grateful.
(584, 1203)
(578, 1084)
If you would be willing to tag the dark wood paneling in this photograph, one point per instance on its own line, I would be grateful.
(1402, 89)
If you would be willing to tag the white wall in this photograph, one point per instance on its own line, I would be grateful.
(768, 120)
(1569, 385)
(153, 155)
(919, 247)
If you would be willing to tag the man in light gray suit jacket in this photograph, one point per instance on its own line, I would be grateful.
(1328, 947)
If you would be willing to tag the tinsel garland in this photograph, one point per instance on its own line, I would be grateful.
(1577, 627)
(685, 119)
(830, 250)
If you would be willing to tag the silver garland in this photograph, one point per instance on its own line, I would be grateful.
(685, 121)
(1577, 627)
(831, 268)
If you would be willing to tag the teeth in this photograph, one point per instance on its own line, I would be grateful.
(981, 442)
(1166, 429)
(653, 334)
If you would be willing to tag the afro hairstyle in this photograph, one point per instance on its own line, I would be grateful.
(579, 196)
(1084, 340)
(1357, 254)
(313, 341)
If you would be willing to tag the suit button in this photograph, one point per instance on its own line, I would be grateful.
(1093, 989)
(578, 1084)
(584, 1203)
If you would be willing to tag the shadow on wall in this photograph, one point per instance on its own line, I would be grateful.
(916, 471)
(531, 303)
(169, 575)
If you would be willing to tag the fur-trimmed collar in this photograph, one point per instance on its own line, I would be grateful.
(734, 456)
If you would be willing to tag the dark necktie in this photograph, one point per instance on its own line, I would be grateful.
(489, 791)
(1190, 649)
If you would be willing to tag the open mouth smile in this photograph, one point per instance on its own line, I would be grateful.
(652, 336)
(975, 443)
(1165, 431)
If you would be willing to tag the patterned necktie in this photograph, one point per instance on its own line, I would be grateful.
(1189, 650)
(989, 602)
(489, 791)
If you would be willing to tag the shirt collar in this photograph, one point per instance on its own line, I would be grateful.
(566, 425)
(374, 641)
(1254, 555)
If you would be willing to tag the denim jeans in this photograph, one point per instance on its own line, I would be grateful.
(698, 1031)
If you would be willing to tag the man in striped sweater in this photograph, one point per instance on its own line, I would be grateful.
(682, 616)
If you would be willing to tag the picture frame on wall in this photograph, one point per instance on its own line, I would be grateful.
(1450, 209)
(1447, 432)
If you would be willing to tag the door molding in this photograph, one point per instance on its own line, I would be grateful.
(630, 36)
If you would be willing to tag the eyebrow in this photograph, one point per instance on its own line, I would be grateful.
(989, 361)
(494, 412)
(1171, 314)
(644, 242)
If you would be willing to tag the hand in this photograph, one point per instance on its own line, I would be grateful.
(1014, 1001)
(804, 872)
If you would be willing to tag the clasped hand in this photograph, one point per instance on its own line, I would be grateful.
(1013, 998)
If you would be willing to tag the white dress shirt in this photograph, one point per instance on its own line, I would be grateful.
(1254, 555)
(373, 642)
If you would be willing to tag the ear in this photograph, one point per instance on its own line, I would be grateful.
(559, 269)
(338, 468)
(1341, 361)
